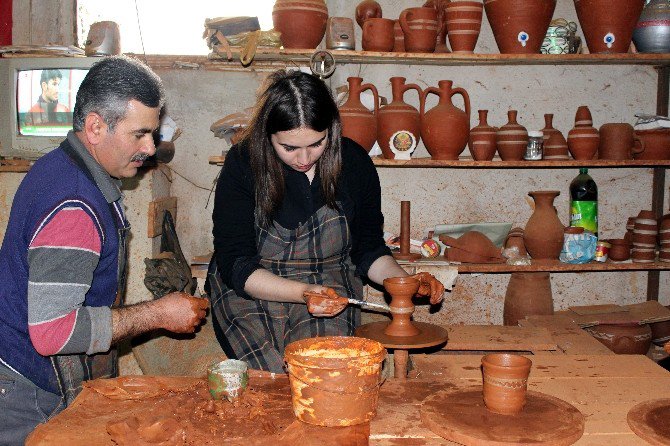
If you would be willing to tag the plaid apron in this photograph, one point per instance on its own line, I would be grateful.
(317, 252)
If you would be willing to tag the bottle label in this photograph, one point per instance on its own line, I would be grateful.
(584, 214)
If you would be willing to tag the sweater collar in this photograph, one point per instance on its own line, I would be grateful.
(110, 187)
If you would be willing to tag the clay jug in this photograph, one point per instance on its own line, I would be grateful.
(399, 38)
(482, 143)
(543, 234)
(511, 139)
(359, 123)
(367, 9)
(619, 142)
(420, 27)
(656, 144)
(607, 25)
(652, 33)
(464, 20)
(302, 23)
(401, 289)
(583, 139)
(519, 26)
(398, 122)
(623, 338)
(378, 35)
(527, 294)
(445, 128)
(555, 145)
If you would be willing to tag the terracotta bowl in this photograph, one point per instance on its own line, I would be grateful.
(620, 250)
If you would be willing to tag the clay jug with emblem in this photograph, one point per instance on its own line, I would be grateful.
(519, 26)
(398, 123)
(528, 294)
(302, 23)
(543, 234)
(420, 27)
(511, 139)
(482, 143)
(608, 25)
(445, 128)
(359, 123)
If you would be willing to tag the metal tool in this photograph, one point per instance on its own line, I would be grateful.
(370, 306)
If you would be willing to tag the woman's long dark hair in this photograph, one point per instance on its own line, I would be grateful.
(292, 100)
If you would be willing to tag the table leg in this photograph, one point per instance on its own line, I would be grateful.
(400, 359)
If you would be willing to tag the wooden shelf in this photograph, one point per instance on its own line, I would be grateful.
(15, 165)
(499, 164)
(551, 266)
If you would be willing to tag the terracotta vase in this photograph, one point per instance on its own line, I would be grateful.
(620, 250)
(555, 145)
(359, 123)
(519, 26)
(482, 143)
(302, 23)
(583, 139)
(445, 128)
(398, 122)
(399, 38)
(378, 35)
(608, 25)
(652, 32)
(543, 234)
(528, 294)
(511, 139)
(367, 9)
(624, 338)
(505, 382)
(464, 20)
(420, 28)
(656, 144)
(515, 240)
(401, 289)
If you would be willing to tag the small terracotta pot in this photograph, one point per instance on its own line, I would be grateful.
(401, 289)
(620, 250)
(583, 139)
(420, 28)
(464, 20)
(482, 143)
(623, 338)
(511, 139)
(367, 9)
(543, 233)
(302, 23)
(505, 379)
(618, 142)
(555, 145)
(378, 35)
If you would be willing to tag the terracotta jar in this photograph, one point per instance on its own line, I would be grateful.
(359, 123)
(555, 145)
(401, 289)
(378, 35)
(445, 128)
(440, 7)
(652, 33)
(583, 139)
(628, 338)
(620, 250)
(515, 240)
(543, 234)
(398, 120)
(302, 23)
(618, 142)
(464, 20)
(656, 144)
(511, 139)
(399, 38)
(607, 25)
(528, 294)
(505, 382)
(420, 28)
(367, 9)
(482, 143)
(519, 26)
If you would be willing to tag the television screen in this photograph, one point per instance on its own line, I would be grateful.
(45, 100)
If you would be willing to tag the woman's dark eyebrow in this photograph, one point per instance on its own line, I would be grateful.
(288, 146)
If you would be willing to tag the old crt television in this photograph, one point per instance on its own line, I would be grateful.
(37, 98)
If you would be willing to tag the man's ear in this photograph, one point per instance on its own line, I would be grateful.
(94, 128)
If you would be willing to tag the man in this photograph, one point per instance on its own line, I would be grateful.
(62, 262)
(47, 110)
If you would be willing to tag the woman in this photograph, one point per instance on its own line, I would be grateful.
(297, 210)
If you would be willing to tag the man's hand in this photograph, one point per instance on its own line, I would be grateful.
(326, 303)
(181, 312)
(430, 286)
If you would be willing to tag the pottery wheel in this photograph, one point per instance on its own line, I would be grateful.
(461, 416)
(650, 420)
(429, 335)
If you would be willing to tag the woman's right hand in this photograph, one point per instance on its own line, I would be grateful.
(325, 303)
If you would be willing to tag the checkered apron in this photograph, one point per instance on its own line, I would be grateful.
(317, 252)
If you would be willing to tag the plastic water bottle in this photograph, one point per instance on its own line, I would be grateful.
(584, 202)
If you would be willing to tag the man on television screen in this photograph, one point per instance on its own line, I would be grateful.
(63, 258)
(47, 109)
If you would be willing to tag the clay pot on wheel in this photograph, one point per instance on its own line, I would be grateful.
(505, 382)
(445, 128)
(511, 139)
(519, 26)
(607, 25)
(302, 23)
(401, 289)
(628, 338)
(359, 123)
(543, 234)
(482, 143)
(398, 116)
(527, 294)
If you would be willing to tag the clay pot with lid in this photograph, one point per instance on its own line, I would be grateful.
(527, 294)
(367, 9)
(359, 123)
(583, 139)
(519, 26)
(543, 234)
(398, 116)
(626, 338)
(511, 139)
(464, 20)
(482, 142)
(656, 144)
(401, 289)
(555, 145)
(652, 32)
(302, 23)
(445, 128)
(378, 35)
(608, 25)
(420, 28)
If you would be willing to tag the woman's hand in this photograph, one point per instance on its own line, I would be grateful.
(325, 303)
(430, 286)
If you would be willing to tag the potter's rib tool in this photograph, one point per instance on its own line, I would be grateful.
(370, 305)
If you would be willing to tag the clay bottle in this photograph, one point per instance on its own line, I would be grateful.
(543, 234)
(609, 32)
(302, 23)
(583, 139)
(398, 117)
(359, 123)
(555, 145)
(527, 294)
(511, 139)
(445, 128)
(482, 143)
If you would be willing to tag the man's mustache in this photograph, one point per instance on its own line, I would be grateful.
(139, 157)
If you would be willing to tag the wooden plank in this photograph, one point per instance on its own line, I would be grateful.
(155, 216)
(643, 312)
(569, 337)
(498, 337)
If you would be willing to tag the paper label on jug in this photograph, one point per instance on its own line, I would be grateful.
(584, 214)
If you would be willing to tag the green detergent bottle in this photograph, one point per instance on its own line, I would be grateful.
(584, 202)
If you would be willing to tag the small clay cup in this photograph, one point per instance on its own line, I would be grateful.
(505, 382)
(619, 142)
(227, 379)
(378, 35)
(620, 250)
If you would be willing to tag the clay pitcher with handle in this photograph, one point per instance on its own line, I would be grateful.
(420, 27)
(359, 123)
(398, 117)
(445, 128)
